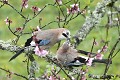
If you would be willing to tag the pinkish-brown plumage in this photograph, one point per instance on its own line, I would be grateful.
(67, 56)
(54, 35)
(66, 53)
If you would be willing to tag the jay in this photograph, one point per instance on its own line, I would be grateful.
(45, 39)
(69, 56)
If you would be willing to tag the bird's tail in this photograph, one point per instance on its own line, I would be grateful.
(86, 53)
(17, 54)
(105, 61)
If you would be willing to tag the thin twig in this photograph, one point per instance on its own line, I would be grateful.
(116, 53)
(1, 5)
(11, 30)
(40, 11)
(110, 56)
(93, 45)
(14, 73)
(28, 60)
(49, 23)
(16, 11)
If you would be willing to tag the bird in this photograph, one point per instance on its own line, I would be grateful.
(45, 39)
(67, 55)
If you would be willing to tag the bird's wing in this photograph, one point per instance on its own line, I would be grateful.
(86, 53)
(27, 43)
(43, 42)
(79, 61)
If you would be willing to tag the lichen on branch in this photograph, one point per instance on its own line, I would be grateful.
(93, 20)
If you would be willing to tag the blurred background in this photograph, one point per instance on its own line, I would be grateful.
(49, 14)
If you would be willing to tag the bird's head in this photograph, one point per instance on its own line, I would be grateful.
(64, 48)
(65, 34)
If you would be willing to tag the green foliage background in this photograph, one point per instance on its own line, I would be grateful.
(49, 14)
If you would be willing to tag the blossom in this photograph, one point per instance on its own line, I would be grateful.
(68, 11)
(99, 51)
(84, 71)
(95, 43)
(89, 61)
(99, 56)
(34, 31)
(35, 9)
(7, 20)
(84, 11)
(25, 3)
(40, 52)
(52, 78)
(83, 77)
(59, 2)
(104, 49)
(72, 78)
(74, 9)
(38, 28)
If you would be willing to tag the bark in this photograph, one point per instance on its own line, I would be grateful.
(93, 20)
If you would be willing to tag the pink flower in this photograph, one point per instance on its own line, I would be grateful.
(89, 61)
(104, 49)
(84, 71)
(59, 2)
(99, 51)
(83, 77)
(25, 3)
(73, 78)
(96, 43)
(7, 21)
(34, 30)
(39, 52)
(99, 56)
(52, 78)
(68, 11)
(35, 9)
(38, 28)
(74, 9)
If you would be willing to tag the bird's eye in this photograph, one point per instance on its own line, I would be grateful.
(67, 33)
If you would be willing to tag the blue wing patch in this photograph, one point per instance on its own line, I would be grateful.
(44, 42)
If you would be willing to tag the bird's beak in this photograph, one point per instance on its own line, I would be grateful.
(68, 39)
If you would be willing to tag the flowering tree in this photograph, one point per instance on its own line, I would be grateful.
(67, 12)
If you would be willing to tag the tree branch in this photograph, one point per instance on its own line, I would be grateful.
(103, 76)
(8, 46)
(92, 20)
